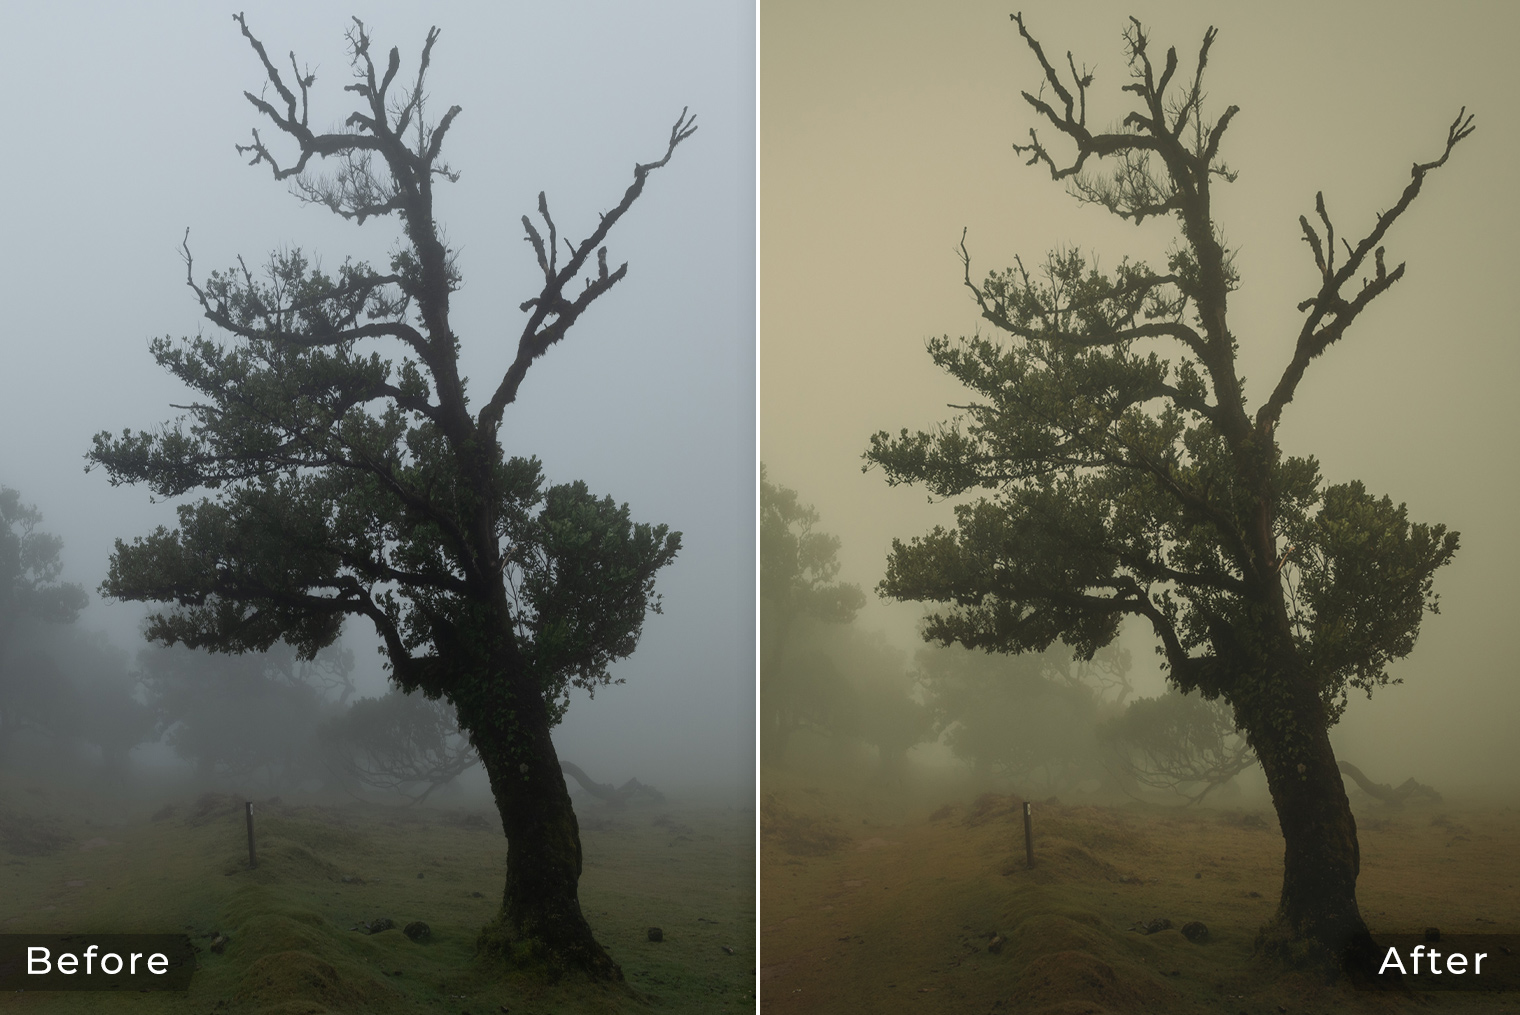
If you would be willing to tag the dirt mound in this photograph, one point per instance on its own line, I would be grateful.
(797, 834)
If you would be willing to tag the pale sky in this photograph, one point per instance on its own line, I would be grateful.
(886, 129)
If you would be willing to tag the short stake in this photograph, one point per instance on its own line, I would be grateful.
(1028, 834)
(253, 861)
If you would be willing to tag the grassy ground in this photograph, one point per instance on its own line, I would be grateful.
(871, 905)
(77, 864)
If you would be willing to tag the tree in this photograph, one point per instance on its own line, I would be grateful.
(1178, 742)
(29, 588)
(254, 715)
(400, 742)
(798, 566)
(1023, 717)
(1129, 476)
(29, 568)
(344, 483)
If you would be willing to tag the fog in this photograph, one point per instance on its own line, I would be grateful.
(887, 133)
(124, 125)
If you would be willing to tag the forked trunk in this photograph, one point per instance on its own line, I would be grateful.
(1317, 916)
(540, 924)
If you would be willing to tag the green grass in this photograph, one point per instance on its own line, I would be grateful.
(323, 871)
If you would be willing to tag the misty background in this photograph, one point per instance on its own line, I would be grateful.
(123, 128)
(887, 129)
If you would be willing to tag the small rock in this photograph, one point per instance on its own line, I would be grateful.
(418, 931)
(1199, 876)
(656, 934)
(476, 895)
(419, 875)
(1129, 879)
(995, 946)
(1157, 925)
(727, 950)
(219, 943)
(1195, 931)
(376, 926)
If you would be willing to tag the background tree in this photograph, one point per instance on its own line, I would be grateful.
(30, 564)
(348, 483)
(248, 719)
(798, 565)
(1029, 718)
(1128, 483)
(1179, 742)
(850, 685)
(402, 743)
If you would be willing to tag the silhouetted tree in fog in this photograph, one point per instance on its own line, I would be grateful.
(345, 483)
(1127, 475)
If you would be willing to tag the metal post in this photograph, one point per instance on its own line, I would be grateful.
(1028, 834)
(253, 860)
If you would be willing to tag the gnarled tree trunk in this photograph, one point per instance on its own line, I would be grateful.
(1321, 859)
(540, 923)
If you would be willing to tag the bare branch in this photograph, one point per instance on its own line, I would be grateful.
(1331, 313)
(553, 314)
